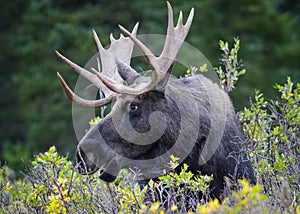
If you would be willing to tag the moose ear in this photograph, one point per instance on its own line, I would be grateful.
(161, 85)
(127, 73)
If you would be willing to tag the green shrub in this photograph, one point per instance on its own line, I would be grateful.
(272, 132)
(52, 186)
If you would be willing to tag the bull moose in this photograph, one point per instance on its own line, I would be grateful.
(155, 116)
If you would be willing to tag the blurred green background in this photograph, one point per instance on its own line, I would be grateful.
(35, 113)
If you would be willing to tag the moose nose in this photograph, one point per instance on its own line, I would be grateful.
(85, 162)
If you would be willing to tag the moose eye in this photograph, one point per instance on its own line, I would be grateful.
(133, 107)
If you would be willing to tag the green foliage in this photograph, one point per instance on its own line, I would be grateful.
(231, 70)
(192, 71)
(248, 199)
(52, 186)
(272, 131)
(190, 181)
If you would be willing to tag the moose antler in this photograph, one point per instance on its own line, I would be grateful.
(120, 50)
(109, 81)
(160, 65)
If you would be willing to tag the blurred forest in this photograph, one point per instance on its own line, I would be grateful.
(35, 113)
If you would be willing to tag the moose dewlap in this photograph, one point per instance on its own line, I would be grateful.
(157, 116)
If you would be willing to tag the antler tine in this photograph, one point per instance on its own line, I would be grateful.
(80, 101)
(170, 15)
(112, 39)
(174, 39)
(97, 40)
(180, 18)
(88, 75)
(134, 31)
(149, 56)
(190, 19)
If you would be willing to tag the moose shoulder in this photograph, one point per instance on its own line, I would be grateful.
(154, 117)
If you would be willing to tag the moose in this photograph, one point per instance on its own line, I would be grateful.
(155, 116)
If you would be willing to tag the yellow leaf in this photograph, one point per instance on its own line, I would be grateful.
(154, 207)
(174, 207)
(251, 154)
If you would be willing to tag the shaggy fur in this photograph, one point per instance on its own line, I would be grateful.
(208, 115)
